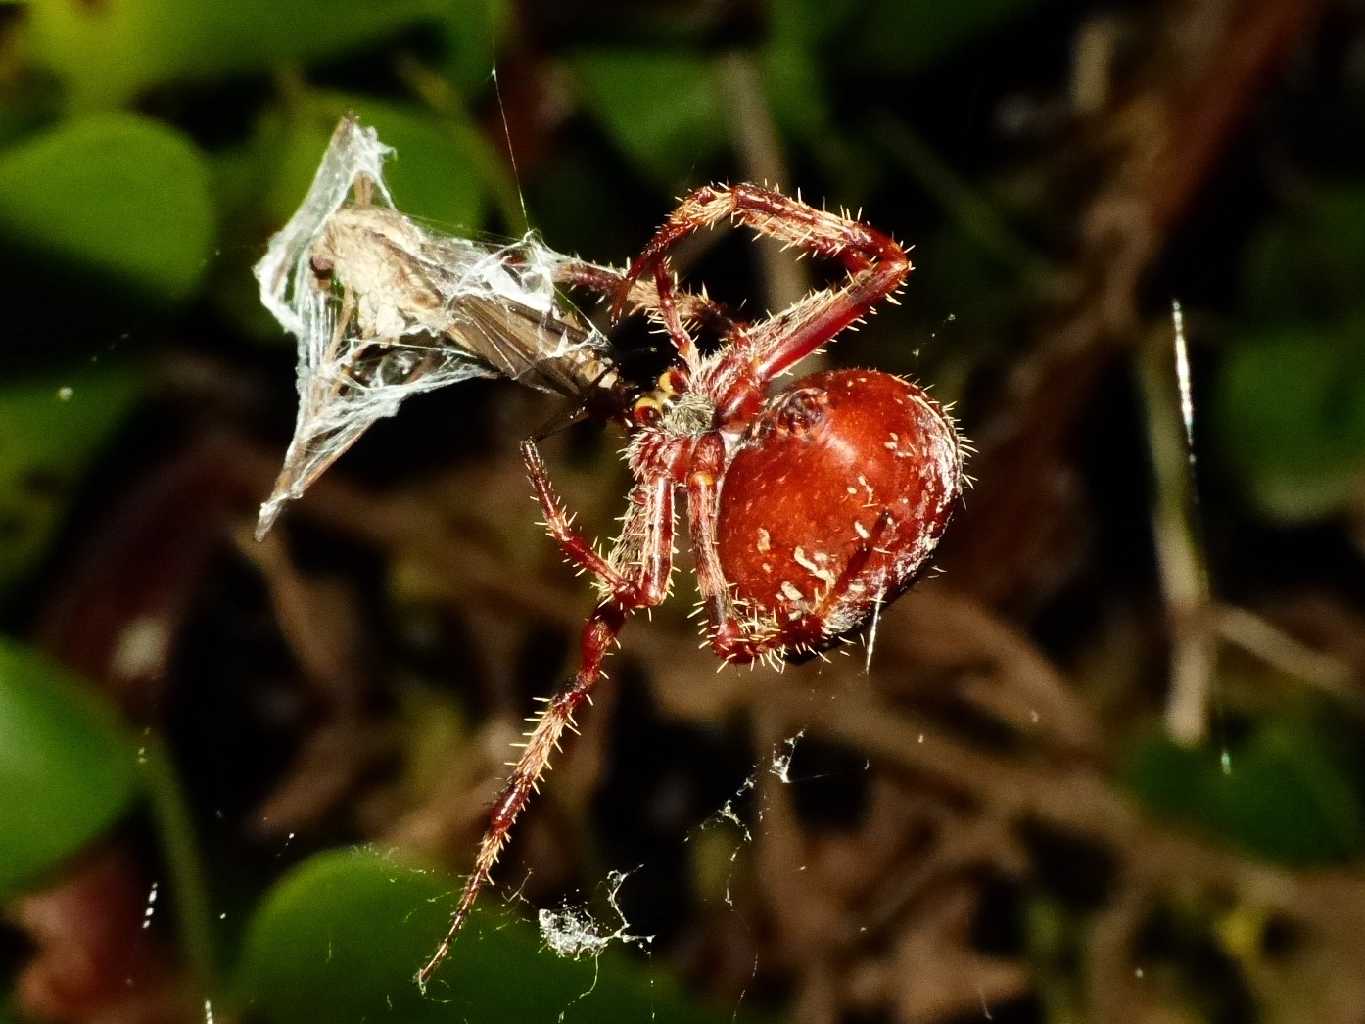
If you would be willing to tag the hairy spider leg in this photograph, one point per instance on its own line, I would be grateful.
(647, 544)
(703, 504)
(649, 527)
(665, 285)
(644, 295)
(599, 633)
(877, 266)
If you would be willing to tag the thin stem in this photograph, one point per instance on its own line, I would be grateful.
(181, 851)
(1179, 548)
(759, 148)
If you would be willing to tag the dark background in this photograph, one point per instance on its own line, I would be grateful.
(1106, 767)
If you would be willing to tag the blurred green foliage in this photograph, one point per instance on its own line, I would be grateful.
(340, 939)
(120, 195)
(1290, 412)
(51, 428)
(110, 173)
(1292, 790)
(1289, 405)
(106, 53)
(663, 110)
(67, 771)
(903, 36)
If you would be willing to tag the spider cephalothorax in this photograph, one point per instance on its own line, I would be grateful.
(808, 509)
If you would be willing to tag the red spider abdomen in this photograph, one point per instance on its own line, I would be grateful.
(834, 501)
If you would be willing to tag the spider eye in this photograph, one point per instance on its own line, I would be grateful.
(322, 267)
(647, 411)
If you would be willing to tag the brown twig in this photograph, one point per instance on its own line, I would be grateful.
(1017, 520)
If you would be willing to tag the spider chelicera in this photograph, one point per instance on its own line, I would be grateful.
(809, 509)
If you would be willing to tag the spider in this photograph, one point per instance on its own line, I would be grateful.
(809, 509)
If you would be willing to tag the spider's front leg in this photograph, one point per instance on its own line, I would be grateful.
(647, 536)
(646, 545)
(876, 264)
(644, 294)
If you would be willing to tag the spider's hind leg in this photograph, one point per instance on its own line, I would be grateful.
(647, 545)
(599, 633)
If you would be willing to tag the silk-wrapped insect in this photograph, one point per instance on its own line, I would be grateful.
(384, 307)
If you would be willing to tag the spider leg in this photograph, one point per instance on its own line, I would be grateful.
(876, 264)
(649, 525)
(668, 312)
(726, 632)
(646, 543)
(643, 294)
(599, 633)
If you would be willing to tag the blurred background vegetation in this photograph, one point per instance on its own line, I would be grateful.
(1108, 766)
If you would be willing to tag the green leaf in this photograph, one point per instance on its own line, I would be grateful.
(66, 769)
(793, 64)
(50, 430)
(795, 90)
(1291, 795)
(442, 171)
(341, 937)
(119, 194)
(811, 24)
(108, 52)
(1289, 414)
(662, 109)
(904, 36)
(473, 29)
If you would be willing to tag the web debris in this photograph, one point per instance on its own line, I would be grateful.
(727, 811)
(782, 758)
(572, 931)
(384, 308)
(779, 766)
